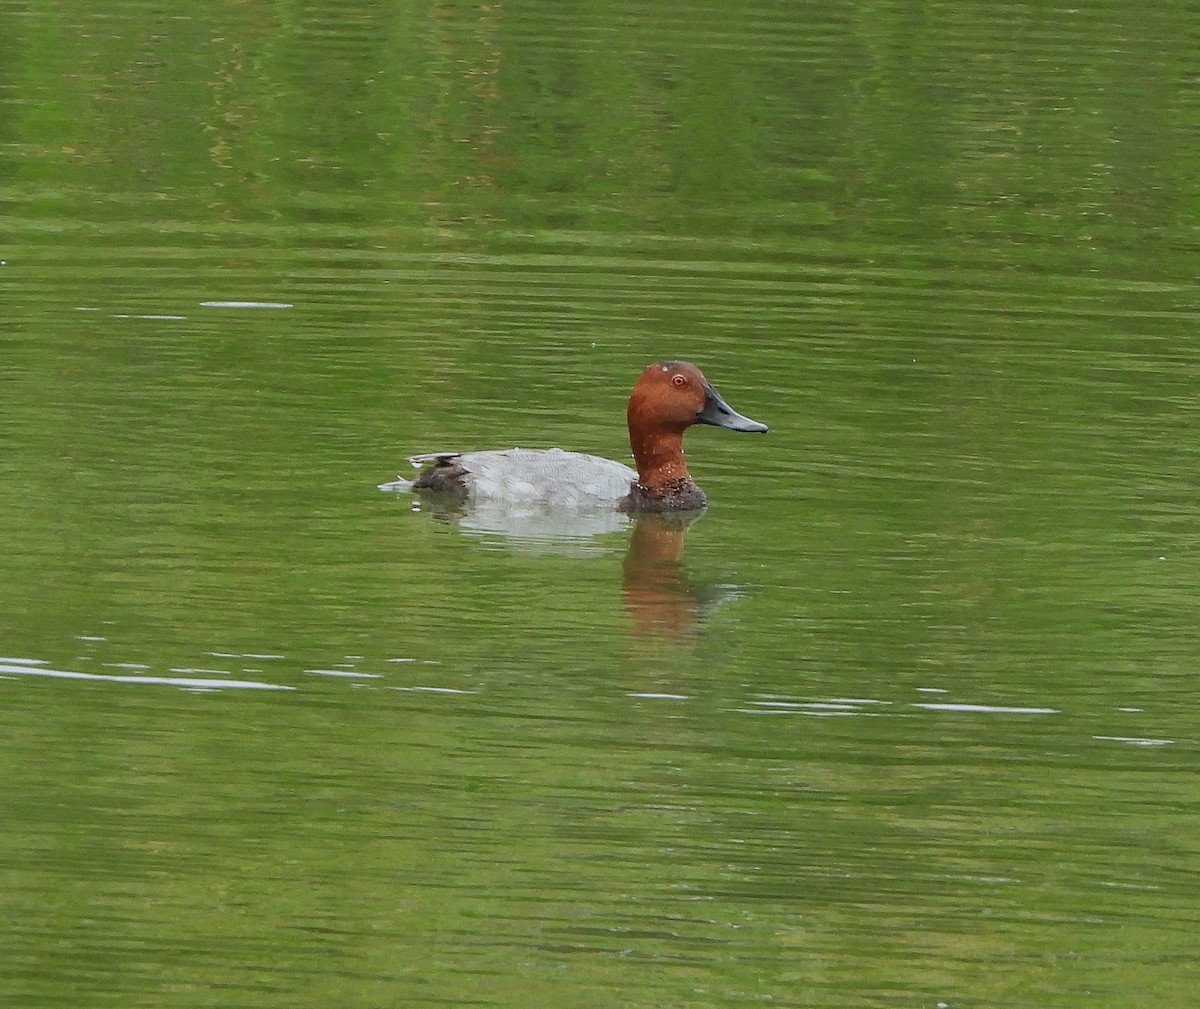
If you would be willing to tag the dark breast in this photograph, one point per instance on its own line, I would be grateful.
(680, 495)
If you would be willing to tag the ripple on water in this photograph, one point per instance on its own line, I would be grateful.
(26, 668)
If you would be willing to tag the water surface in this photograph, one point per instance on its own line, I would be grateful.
(902, 720)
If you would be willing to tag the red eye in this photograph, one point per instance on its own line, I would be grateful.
(679, 381)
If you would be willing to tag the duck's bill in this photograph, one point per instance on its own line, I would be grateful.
(720, 414)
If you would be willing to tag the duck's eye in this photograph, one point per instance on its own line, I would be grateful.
(679, 381)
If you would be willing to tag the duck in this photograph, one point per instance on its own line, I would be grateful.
(668, 398)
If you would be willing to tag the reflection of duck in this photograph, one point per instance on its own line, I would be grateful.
(527, 527)
(655, 592)
(655, 589)
(668, 398)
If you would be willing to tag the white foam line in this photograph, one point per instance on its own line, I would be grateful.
(244, 304)
(1136, 740)
(346, 673)
(167, 681)
(856, 700)
(988, 709)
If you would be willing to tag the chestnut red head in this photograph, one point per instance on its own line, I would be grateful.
(674, 395)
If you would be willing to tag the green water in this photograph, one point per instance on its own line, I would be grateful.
(906, 719)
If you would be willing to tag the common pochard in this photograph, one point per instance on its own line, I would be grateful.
(668, 398)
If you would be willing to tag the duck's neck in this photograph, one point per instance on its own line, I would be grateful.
(659, 458)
